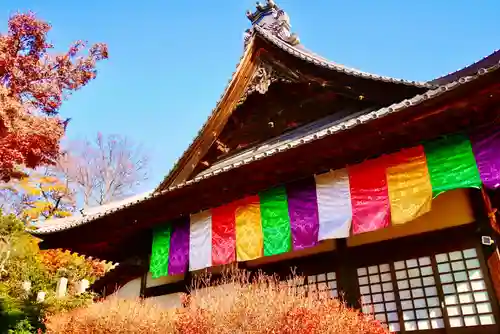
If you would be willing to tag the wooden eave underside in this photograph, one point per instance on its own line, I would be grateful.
(128, 232)
(379, 92)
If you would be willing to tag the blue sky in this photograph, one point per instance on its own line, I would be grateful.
(170, 60)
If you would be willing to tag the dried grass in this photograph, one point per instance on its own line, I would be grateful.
(239, 305)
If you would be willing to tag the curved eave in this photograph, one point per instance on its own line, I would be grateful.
(326, 132)
(321, 62)
(294, 51)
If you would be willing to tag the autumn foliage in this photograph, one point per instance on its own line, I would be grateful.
(40, 195)
(239, 306)
(33, 85)
(71, 265)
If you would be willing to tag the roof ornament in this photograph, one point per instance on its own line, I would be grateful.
(273, 19)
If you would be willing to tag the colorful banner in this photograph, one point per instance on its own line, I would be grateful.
(179, 247)
(334, 204)
(451, 164)
(223, 235)
(485, 145)
(160, 253)
(200, 245)
(249, 239)
(303, 211)
(396, 189)
(409, 184)
(369, 196)
(275, 221)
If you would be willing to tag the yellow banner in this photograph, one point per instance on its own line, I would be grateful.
(249, 236)
(410, 189)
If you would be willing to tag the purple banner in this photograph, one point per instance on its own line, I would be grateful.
(486, 148)
(179, 247)
(303, 211)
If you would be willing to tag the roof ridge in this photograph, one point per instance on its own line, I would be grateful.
(323, 62)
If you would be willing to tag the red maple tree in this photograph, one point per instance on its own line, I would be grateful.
(33, 85)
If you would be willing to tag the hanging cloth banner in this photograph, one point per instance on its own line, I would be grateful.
(200, 241)
(409, 184)
(275, 221)
(303, 211)
(334, 204)
(369, 196)
(179, 247)
(159, 255)
(451, 164)
(223, 235)
(485, 145)
(249, 239)
(398, 188)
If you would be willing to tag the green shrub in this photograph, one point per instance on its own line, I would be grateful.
(20, 261)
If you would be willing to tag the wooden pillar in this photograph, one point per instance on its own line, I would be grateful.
(487, 224)
(493, 259)
(144, 281)
(188, 281)
(490, 212)
(347, 278)
(188, 285)
(144, 263)
(494, 267)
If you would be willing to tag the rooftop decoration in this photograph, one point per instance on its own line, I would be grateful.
(273, 19)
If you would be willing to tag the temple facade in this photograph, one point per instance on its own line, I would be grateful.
(379, 190)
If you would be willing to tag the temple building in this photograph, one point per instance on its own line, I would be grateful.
(377, 189)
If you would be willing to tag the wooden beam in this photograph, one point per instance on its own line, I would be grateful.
(217, 120)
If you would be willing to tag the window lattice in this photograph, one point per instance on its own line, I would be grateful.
(377, 294)
(418, 294)
(405, 293)
(323, 283)
(465, 296)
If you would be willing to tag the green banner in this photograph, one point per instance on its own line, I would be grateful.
(275, 221)
(451, 164)
(161, 248)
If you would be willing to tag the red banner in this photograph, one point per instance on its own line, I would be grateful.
(369, 196)
(223, 235)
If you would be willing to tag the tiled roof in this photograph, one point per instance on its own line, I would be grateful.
(57, 224)
(471, 69)
(262, 152)
(288, 138)
(301, 52)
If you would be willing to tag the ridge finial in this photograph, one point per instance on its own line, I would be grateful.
(274, 20)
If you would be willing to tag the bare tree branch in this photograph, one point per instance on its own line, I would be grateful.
(87, 174)
(107, 169)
